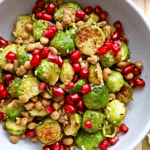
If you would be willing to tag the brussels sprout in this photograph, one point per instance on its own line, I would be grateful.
(4, 108)
(93, 19)
(126, 94)
(96, 75)
(97, 119)
(77, 87)
(87, 141)
(1, 75)
(72, 32)
(19, 29)
(63, 43)
(38, 28)
(14, 112)
(67, 72)
(48, 71)
(97, 98)
(29, 86)
(115, 82)
(14, 129)
(88, 39)
(49, 131)
(73, 6)
(74, 124)
(38, 113)
(115, 112)
(4, 52)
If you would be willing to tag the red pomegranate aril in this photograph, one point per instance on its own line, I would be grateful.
(86, 88)
(56, 146)
(30, 133)
(104, 145)
(49, 33)
(88, 10)
(115, 36)
(109, 43)
(36, 60)
(80, 105)
(49, 109)
(103, 50)
(7, 78)
(136, 72)
(45, 52)
(71, 109)
(57, 91)
(75, 97)
(123, 39)
(88, 124)
(103, 16)
(84, 73)
(42, 86)
(46, 147)
(2, 87)
(129, 68)
(39, 15)
(132, 83)
(68, 100)
(140, 82)
(75, 78)
(63, 147)
(118, 26)
(36, 10)
(3, 42)
(40, 4)
(60, 61)
(48, 17)
(11, 56)
(53, 58)
(76, 67)
(123, 128)
(114, 140)
(36, 52)
(51, 9)
(116, 48)
(75, 55)
(52, 28)
(70, 85)
(4, 93)
(97, 10)
(80, 14)
(1, 116)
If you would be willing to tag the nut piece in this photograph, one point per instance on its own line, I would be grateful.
(30, 47)
(25, 114)
(29, 105)
(27, 65)
(46, 95)
(148, 135)
(21, 71)
(112, 96)
(84, 64)
(9, 67)
(118, 57)
(38, 105)
(122, 64)
(129, 76)
(14, 139)
(93, 59)
(16, 64)
(46, 102)
(56, 106)
(15, 104)
(34, 139)
(53, 50)
(44, 40)
(59, 25)
(38, 45)
(34, 99)
(18, 120)
(102, 24)
(139, 64)
(55, 115)
(24, 98)
(29, 26)
(106, 72)
(23, 136)
(32, 125)
(63, 86)
(80, 23)
(68, 141)
(26, 36)
(23, 121)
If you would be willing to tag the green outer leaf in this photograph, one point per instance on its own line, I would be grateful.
(1, 75)
(125, 51)
(109, 131)
(38, 113)
(92, 20)
(72, 32)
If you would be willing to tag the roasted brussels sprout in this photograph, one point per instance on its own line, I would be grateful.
(97, 98)
(74, 124)
(97, 120)
(1, 75)
(93, 19)
(115, 82)
(72, 32)
(115, 112)
(88, 39)
(38, 113)
(49, 131)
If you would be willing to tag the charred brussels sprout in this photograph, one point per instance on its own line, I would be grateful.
(115, 112)
(97, 98)
(74, 124)
(1, 75)
(93, 19)
(72, 32)
(87, 141)
(63, 43)
(49, 131)
(48, 71)
(115, 82)
(97, 120)
(88, 39)
(38, 113)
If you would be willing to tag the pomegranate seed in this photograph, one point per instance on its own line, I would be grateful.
(116, 48)
(56, 146)
(103, 16)
(88, 10)
(8, 77)
(36, 52)
(3, 42)
(36, 60)
(49, 33)
(49, 109)
(36, 10)
(123, 128)
(75, 78)
(88, 124)
(75, 97)
(52, 28)
(1, 116)
(30, 133)
(103, 50)
(118, 26)
(60, 61)
(53, 58)
(68, 100)
(48, 17)
(104, 145)
(80, 14)
(40, 4)
(51, 9)
(75, 55)
(46, 147)
(2, 87)
(45, 52)
(84, 73)
(97, 10)
(39, 15)
(42, 86)
(123, 39)
(4, 93)
(129, 68)
(80, 105)
(140, 82)
(11, 56)
(57, 91)
(86, 88)
(71, 109)
(115, 36)
(132, 83)
(76, 67)
(136, 72)
(70, 85)
(63, 147)
(114, 140)
(109, 43)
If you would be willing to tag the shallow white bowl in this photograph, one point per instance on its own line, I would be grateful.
(136, 27)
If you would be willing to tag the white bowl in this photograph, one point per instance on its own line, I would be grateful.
(136, 27)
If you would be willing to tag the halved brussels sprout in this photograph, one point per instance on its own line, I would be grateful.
(88, 39)
(14, 112)
(22, 55)
(93, 18)
(115, 112)
(38, 113)
(4, 52)
(97, 120)
(87, 141)
(126, 94)
(63, 43)
(97, 98)
(96, 75)
(115, 82)
(73, 6)
(29, 86)
(72, 32)
(38, 28)
(74, 124)
(1, 75)
(19, 29)
(14, 129)
(48, 72)
(49, 131)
